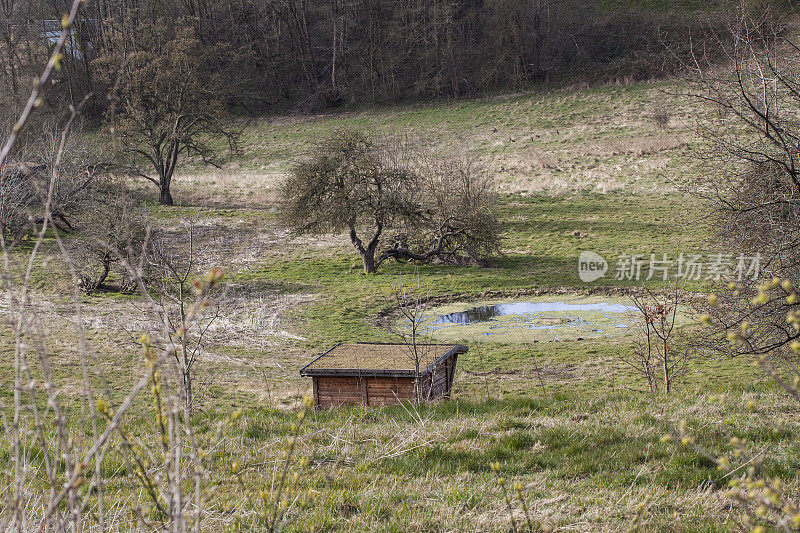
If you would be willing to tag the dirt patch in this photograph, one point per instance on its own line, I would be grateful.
(257, 320)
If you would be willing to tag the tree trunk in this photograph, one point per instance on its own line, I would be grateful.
(165, 197)
(187, 384)
(368, 259)
(667, 377)
(106, 270)
(367, 254)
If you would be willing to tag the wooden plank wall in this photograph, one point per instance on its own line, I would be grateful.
(439, 383)
(345, 390)
(338, 390)
(389, 391)
(330, 391)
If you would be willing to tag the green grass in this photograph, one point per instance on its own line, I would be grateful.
(574, 455)
(539, 252)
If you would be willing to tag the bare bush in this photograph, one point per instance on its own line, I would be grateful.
(753, 201)
(113, 234)
(78, 171)
(17, 199)
(763, 499)
(27, 174)
(660, 114)
(660, 355)
(410, 301)
(461, 201)
(176, 283)
(754, 140)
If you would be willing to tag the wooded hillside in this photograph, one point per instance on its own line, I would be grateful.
(307, 55)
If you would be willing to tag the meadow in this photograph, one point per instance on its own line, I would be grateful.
(576, 169)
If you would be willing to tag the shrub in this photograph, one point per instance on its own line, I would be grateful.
(660, 114)
(113, 236)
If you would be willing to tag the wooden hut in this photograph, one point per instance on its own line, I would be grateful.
(382, 374)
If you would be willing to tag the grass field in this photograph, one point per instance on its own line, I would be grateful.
(576, 170)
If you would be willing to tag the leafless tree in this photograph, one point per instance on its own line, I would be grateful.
(178, 292)
(660, 355)
(410, 301)
(394, 203)
(754, 192)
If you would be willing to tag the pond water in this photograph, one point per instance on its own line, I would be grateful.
(487, 312)
(538, 319)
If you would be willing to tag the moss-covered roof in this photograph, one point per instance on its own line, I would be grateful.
(367, 358)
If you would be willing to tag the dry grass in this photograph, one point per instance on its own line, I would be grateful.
(231, 187)
(588, 459)
(559, 142)
(365, 458)
(634, 164)
(638, 146)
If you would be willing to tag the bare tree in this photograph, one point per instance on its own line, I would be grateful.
(177, 268)
(755, 199)
(659, 356)
(394, 203)
(172, 94)
(410, 301)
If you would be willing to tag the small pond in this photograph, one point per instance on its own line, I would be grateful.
(487, 312)
(536, 319)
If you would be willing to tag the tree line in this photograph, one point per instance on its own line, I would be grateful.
(313, 54)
